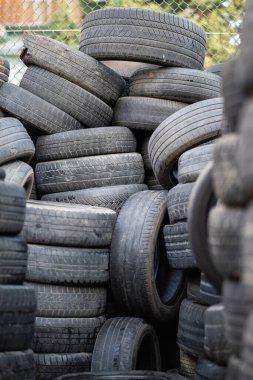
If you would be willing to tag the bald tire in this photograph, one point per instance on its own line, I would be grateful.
(36, 111)
(21, 174)
(135, 37)
(126, 343)
(67, 96)
(17, 365)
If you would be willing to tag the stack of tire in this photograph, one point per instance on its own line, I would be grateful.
(68, 258)
(17, 301)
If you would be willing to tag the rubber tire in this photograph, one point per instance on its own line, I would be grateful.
(126, 344)
(209, 295)
(234, 368)
(193, 286)
(206, 370)
(190, 337)
(112, 197)
(88, 172)
(12, 206)
(201, 201)
(152, 182)
(72, 65)
(246, 247)
(62, 265)
(143, 35)
(246, 354)
(85, 142)
(178, 248)
(193, 161)
(124, 375)
(215, 344)
(17, 365)
(142, 113)
(225, 226)
(15, 141)
(144, 153)
(50, 366)
(13, 259)
(17, 316)
(178, 202)
(57, 301)
(183, 85)
(185, 129)
(67, 96)
(34, 110)
(66, 335)
(127, 69)
(226, 173)
(21, 174)
(187, 365)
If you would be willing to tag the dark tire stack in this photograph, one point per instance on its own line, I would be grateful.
(68, 258)
(17, 301)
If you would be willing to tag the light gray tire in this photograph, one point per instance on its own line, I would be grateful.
(21, 174)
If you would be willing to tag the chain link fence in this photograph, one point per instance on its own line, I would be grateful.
(61, 20)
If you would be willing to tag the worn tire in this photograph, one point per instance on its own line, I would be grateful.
(126, 344)
(85, 142)
(21, 174)
(72, 65)
(193, 161)
(52, 223)
(209, 295)
(15, 141)
(66, 335)
(68, 97)
(56, 301)
(36, 111)
(183, 85)
(17, 317)
(50, 366)
(144, 113)
(188, 127)
(88, 172)
(178, 247)
(144, 152)
(178, 202)
(112, 197)
(152, 290)
(13, 259)
(225, 226)
(62, 265)
(193, 286)
(16, 365)
(143, 35)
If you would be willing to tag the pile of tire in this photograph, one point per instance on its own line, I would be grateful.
(17, 301)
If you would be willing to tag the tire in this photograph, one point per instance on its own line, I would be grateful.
(216, 69)
(178, 202)
(193, 161)
(142, 113)
(72, 65)
(60, 224)
(187, 365)
(124, 375)
(185, 129)
(152, 182)
(86, 142)
(183, 85)
(246, 354)
(225, 226)
(13, 259)
(142, 282)
(206, 369)
(178, 248)
(36, 111)
(226, 173)
(193, 286)
(12, 206)
(127, 69)
(209, 295)
(144, 153)
(112, 197)
(246, 248)
(190, 335)
(17, 365)
(17, 316)
(50, 366)
(67, 96)
(201, 201)
(66, 335)
(143, 35)
(15, 141)
(216, 344)
(56, 301)
(126, 344)
(234, 368)
(238, 304)
(21, 174)
(88, 172)
(62, 265)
